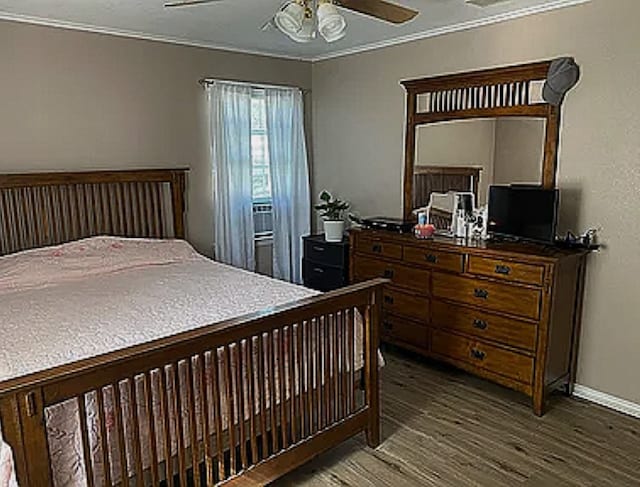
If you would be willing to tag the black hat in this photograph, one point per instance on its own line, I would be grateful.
(563, 75)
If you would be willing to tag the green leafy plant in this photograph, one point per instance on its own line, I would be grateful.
(330, 208)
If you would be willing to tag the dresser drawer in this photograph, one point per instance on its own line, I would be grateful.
(322, 277)
(399, 303)
(469, 321)
(401, 331)
(494, 296)
(326, 253)
(483, 356)
(507, 270)
(442, 260)
(400, 275)
(378, 247)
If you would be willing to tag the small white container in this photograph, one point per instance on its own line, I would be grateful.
(333, 230)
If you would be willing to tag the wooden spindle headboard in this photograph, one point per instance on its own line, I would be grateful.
(40, 209)
(441, 179)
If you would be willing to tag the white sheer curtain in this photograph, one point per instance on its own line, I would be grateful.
(289, 180)
(232, 173)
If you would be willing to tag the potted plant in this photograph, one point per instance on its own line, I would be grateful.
(332, 212)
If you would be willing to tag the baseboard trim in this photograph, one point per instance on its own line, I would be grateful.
(607, 400)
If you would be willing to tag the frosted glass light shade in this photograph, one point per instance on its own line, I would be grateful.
(306, 33)
(331, 24)
(290, 18)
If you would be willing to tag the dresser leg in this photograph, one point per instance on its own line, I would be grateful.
(539, 404)
(569, 387)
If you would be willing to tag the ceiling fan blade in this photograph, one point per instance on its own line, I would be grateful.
(186, 3)
(379, 9)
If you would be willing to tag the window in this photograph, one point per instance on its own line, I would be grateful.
(261, 174)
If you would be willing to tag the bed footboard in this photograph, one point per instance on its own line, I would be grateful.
(246, 400)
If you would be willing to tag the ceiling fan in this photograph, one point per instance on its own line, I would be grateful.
(300, 20)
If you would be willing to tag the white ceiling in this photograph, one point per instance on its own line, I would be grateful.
(235, 24)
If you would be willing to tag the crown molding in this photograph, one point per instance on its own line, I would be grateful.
(438, 31)
(607, 400)
(553, 5)
(61, 24)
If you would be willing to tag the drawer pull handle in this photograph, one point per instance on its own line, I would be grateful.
(388, 274)
(478, 354)
(388, 299)
(432, 259)
(318, 249)
(480, 324)
(387, 326)
(505, 270)
(377, 248)
(481, 293)
(318, 270)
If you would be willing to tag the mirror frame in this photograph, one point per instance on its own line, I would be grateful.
(489, 93)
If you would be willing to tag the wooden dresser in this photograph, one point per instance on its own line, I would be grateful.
(507, 312)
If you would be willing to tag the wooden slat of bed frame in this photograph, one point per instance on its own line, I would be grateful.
(104, 444)
(282, 387)
(262, 391)
(166, 423)
(271, 371)
(217, 412)
(249, 379)
(230, 408)
(351, 346)
(134, 426)
(178, 420)
(86, 449)
(119, 425)
(50, 208)
(300, 360)
(153, 448)
(204, 379)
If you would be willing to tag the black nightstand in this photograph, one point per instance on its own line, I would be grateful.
(325, 265)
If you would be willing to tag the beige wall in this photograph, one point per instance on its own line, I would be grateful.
(78, 101)
(358, 133)
(519, 149)
(73, 101)
(460, 143)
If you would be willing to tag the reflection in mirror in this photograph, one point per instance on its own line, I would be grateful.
(470, 155)
(451, 213)
(441, 206)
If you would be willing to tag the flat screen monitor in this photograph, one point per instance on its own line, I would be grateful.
(523, 212)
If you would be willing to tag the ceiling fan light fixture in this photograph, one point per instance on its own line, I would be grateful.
(331, 24)
(290, 17)
(307, 33)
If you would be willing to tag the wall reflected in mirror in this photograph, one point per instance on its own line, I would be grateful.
(470, 155)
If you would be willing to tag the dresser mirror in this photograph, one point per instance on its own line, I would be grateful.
(467, 131)
(470, 155)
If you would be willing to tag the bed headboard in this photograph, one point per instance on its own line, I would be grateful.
(441, 179)
(40, 209)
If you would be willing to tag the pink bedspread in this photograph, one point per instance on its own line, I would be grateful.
(85, 258)
(7, 472)
(164, 287)
(70, 263)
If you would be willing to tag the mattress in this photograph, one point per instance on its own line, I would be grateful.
(94, 296)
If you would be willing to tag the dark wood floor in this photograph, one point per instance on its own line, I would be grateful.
(446, 428)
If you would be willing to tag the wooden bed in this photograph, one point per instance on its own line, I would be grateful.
(37, 210)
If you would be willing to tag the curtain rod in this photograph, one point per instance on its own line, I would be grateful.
(209, 81)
